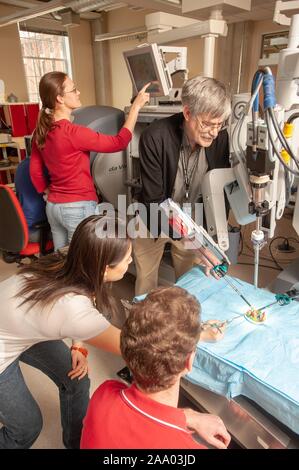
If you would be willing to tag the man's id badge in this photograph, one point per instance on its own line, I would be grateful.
(187, 208)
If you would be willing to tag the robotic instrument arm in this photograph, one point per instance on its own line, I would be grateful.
(258, 184)
(173, 66)
(179, 63)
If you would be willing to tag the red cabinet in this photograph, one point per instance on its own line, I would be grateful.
(32, 111)
(21, 117)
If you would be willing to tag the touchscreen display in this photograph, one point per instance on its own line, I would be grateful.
(143, 71)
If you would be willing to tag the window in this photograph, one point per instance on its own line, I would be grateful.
(42, 53)
(272, 44)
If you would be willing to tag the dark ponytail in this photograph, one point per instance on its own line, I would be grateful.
(50, 86)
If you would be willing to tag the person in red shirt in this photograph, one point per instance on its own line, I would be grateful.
(158, 342)
(63, 148)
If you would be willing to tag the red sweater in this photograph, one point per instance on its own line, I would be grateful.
(66, 156)
(121, 417)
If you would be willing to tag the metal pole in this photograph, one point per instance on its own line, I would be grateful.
(209, 54)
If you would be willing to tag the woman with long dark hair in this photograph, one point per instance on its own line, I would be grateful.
(63, 149)
(59, 296)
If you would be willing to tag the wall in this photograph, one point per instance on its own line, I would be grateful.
(81, 57)
(11, 68)
(82, 61)
(121, 20)
(260, 28)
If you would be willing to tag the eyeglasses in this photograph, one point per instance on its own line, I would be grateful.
(208, 126)
(74, 90)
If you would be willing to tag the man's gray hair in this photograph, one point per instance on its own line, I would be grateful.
(205, 95)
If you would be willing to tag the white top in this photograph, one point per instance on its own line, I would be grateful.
(72, 316)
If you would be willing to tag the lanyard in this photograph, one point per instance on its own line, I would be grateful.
(188, 175)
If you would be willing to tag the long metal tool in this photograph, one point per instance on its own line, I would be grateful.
(268, 305)
(283, 299)
(201, 241)
(221, 270)
(238, 292)
(218, 325)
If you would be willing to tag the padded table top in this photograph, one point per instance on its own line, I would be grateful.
(260, 361)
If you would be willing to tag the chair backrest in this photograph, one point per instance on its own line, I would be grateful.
(13, 226)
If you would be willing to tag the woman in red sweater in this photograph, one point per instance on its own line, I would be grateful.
(63, 149)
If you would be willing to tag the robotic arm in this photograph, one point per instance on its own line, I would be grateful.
(196, 238)
(258, 184)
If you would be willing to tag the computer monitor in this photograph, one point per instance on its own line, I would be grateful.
(145, 64)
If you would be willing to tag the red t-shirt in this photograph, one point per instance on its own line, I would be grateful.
(121, 417)
(66, 156)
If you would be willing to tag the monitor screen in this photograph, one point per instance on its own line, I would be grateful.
(145, 65)
(143, 70)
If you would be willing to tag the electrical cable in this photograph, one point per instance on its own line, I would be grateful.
(240, 154)
(241, 158)
(279, 132)
(289, 171)
(256, 91)
(272, 256)
(265, 258)
(296, 173)
(281, 136)
(249, 105)
(269, 103)
(272, 157)
(292, 118)
(238, 139)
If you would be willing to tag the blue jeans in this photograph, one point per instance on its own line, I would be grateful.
(19, 412)
(64, 219)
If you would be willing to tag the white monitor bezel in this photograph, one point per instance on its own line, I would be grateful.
(164, 79)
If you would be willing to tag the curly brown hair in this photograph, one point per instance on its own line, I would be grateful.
(159, 335)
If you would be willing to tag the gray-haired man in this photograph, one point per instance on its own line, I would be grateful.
(175, 153)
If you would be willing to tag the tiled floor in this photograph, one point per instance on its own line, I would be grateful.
(105, 365)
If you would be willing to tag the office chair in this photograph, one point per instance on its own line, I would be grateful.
(14, 233)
